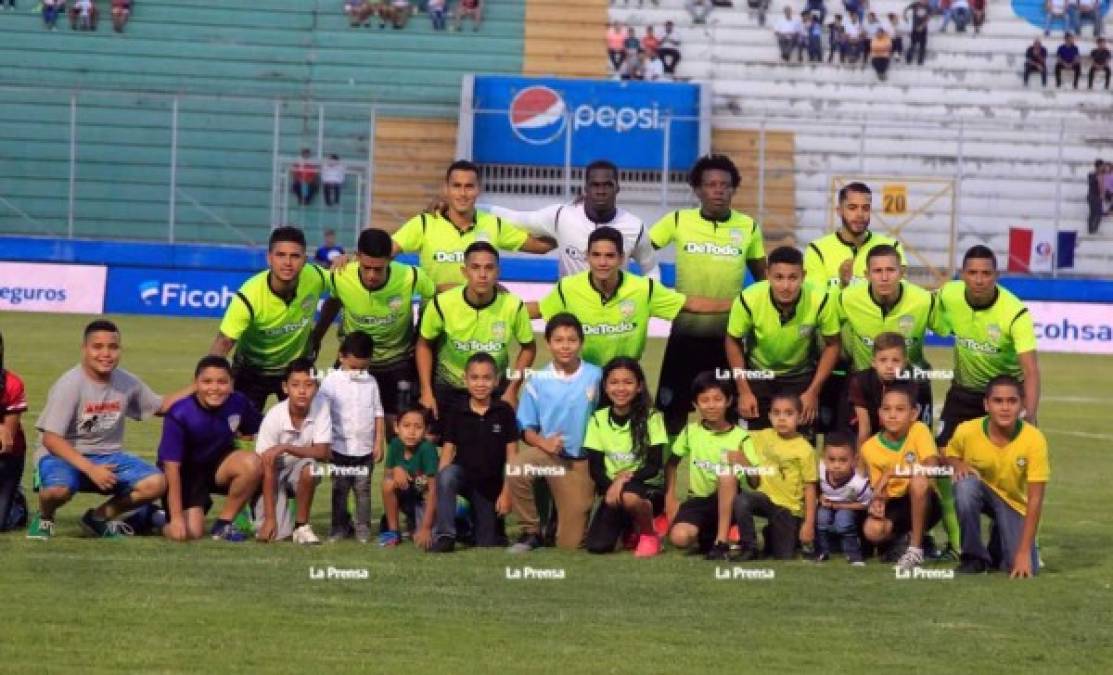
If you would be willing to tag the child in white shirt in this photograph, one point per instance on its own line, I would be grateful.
(357, 436)
(844, 496)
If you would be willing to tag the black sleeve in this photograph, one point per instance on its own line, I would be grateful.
(448, 428)
(598, 470)
(652, 465)
(510, 425)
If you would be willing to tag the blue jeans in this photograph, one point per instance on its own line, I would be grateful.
(961, 17)
(439, 18)
(1052, 17)
(974, 498)
(838, 524)
(451, 482)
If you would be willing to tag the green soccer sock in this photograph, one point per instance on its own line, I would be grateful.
(950, 515)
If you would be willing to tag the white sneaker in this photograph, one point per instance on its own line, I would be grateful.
(913, 557)
(304, 535)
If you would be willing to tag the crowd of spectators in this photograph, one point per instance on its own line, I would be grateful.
(653, 56)
(83, 14)
(1068, 57)
(396, 13)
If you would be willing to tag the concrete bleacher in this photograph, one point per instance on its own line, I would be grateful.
(231, 60)
(1010, 140)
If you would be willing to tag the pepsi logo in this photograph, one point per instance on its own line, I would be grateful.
(537, 115)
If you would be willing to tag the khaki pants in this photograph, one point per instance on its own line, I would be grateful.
(573, 491)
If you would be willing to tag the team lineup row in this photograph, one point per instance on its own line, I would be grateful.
(828, 341)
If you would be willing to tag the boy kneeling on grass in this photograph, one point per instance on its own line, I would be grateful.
(898, 460)
(705, 517)
(295, 434)
(480, 439)
(783, 485)
(409, 484)
(1001, 470)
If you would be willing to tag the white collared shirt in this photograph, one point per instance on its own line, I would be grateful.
(278, 429)
(353, 398)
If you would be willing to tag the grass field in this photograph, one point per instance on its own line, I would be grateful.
(80, 605)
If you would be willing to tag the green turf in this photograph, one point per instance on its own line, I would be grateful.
(143, 604)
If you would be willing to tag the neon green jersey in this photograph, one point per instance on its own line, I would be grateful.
(824, 256)
(783, 342)
(270, 331)
(706, 451)
(461, 329)
(616, 442)
(863, 320)
(440, 244)
(385, 313)
(711, 258)
(987, 339)
(618, 325)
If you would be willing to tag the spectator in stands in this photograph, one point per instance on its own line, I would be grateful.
(957, 11)
(977, 15)
(469, 9)
(121, 12)
(1094, 196)
(1099, 62)
(1067, 57)
(855, 8)
(83, 15)
(332, 173)
(1035, 61)
(631, 47)
(652, 67)
(921, 15)
(698, 9)
(789, 31)
(329, 250)
(354, 10)
(881, 53)
(616, 40)
(1087, 10)
(759, 7)
(896, 31)
(1055, 10)
(870, 29)
(855, 39)
(817, 9)
(813, 32)
(305, 175)
(836, 39)
(650, 42)
(1107, 185)
(669, 50)
(633, 67)
(398, 13)
(51, 9)
(438, 13)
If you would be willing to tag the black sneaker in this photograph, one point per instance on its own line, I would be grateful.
(744, 555)
(528, 541)
(821, 557)
(443, 545)
(720, 550)
(971, 565)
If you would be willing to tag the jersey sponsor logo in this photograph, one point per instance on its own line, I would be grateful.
(477, 346)
(975, 346)
(537, 115)
(708, 248)
(608, 328)
(288, 328)
(622, 456)
(448, 256)
(155, 293)
(233, 422)
(374, 321)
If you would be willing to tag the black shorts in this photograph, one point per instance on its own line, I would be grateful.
(703, 513)
(388, 380)
(198, 482)
(685, 357)
(960, 406)
(834, 403)
(898, 511)
(764, 390)
(256, 385)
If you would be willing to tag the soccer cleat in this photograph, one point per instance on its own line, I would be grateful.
(744, 554)
(856, 560)
(733, 536)
(971, 565)
(443, 545)
(648, 546)
(527, 541)
(41, 529)
(720, 550)
(305, 535)
(913, 557)
(389, 538)
(857, 563)
(228, 532)
(104, 529)
(661, 525)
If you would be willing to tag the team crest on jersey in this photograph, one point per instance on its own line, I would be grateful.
(307, 304)
(993, 332)
(626, 307)
(736, 237)
(234, 422)
(910, 457)
(394, 302)
(589, 392)
(906, 323)
(806, 330)
(1021, 462)
(498, 330)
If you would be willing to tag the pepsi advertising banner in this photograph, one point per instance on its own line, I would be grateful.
(526, 120)
(171, 292)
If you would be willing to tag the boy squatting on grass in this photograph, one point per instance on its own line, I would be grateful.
(844, 496)
(410, 481)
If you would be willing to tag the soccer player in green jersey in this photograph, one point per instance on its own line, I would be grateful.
(270, 318)
(993, 336)
(839, 258)
(460, 322)
(441, 238)
(377, 296)
(614, 306)
(715, 245)
(771, 340)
